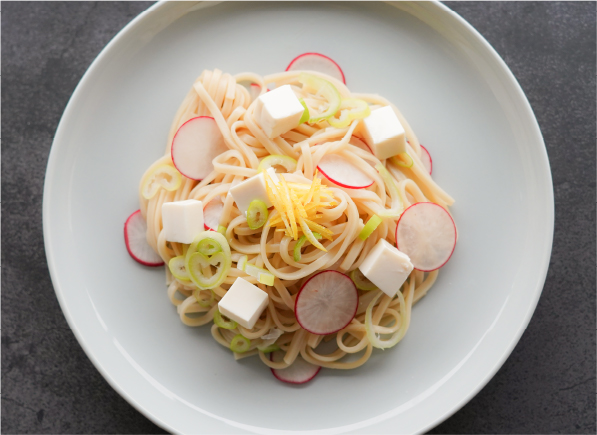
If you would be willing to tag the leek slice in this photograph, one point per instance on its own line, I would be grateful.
(321, 87)
(200, 269)
(208, 246)
(178, 269)
(240, 344)
(369, 227)
(404, 160)
(199, 265)
(165, 176)
(299, 245)
(257, 214)
(242, 262)
(269, 349)
(221, 323)
(263, 276)
(305, 116)
(350, 109)
(276, 159)
(361, 281)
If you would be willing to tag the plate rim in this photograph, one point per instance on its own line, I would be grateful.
(164, 5)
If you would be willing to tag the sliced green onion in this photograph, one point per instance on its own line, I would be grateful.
(242, 262)
(369, 227)
(269, 349)
(199, 265)
(257, 214)
(321, 87)
(240, 344)
(350, 109)
(221, 323)
(305, 116)
(299, 244)
(266, 278)
(361, 281)
(397, 204)
(164, 176)
(178, 269)
(209, 235)
(286, 162)
(208, 246)
(204, 303)
(404, 160)
(200, 269)
(222, 230)
(263, 276)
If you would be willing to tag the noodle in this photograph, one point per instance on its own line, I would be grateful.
(220, 96)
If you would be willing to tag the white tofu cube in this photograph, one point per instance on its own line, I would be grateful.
(278, 111)
(251, 189)
(383, 133)
(182, 220)
(386, 267)
(243, 303)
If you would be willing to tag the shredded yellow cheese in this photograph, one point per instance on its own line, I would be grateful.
(297, 208)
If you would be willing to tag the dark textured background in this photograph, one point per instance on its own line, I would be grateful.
(546, 386)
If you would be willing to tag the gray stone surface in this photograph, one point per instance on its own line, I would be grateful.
(546, 386)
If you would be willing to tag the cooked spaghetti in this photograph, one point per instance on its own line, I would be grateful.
(337, 214)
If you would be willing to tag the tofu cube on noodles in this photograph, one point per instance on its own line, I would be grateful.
(384, 133)
(182, 220)
(243, 303)
(386, 267)
(251, 189)
(278, 111)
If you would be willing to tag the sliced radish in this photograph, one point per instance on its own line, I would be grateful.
(342, 172)
(253, 88)
(299, 372)
(358, 142)
(316, 62)
(212, 213)
(254, 91)
(135, 237)
(426, 159)
(326, 303)
(427, 234)
(196, 143)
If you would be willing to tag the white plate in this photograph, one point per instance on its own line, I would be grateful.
(465, 106)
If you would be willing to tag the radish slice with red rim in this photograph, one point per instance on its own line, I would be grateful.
(326, 303)
(299, 372)
(339, 170)
(426, 159)
(427, 234)
(135, 238)
(253, 88)
(196, 143)
(254, 91)
(317, 62)
(212, 213)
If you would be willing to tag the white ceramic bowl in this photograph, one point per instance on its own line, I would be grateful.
(465, 106)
